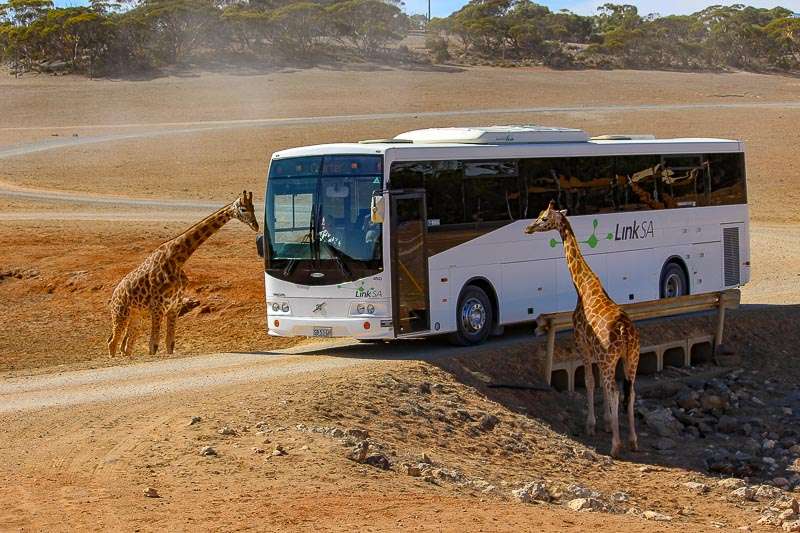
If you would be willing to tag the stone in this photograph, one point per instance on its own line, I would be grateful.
(688, 399)
(697, 488)
(663, 422)
(620, 497)
(658, 517)
(586, 504)
(781, 482)
(744, 493)
(425, 387)
(711, 402)
(258, 450)
(194, 420)
(664, 443)
(227, 431)
(535, 491)
(208, 451)
(413, 470)
(731, 483)
(768, 444)
(728, 424)
(357, 433)
(767, 492)
(787, 411)
(278, 451)
(787, 515)
(150, 492)
(378, 460)
(488, 422)
(575, 491)
(425, 459)
(791, 526)
(464, 415)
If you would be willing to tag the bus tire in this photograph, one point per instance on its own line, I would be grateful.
(474, 317)
(673, 281)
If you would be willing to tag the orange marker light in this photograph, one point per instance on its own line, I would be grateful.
(366, 325)
(277, 323)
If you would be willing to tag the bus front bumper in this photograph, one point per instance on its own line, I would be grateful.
(358, 327)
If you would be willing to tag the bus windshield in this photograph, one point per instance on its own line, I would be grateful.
(318, 219)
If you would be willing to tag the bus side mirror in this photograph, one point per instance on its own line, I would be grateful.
(260, 245)
(377, 210)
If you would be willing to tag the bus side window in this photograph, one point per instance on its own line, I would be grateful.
(540, 183)
(445, 193)
(491, 191)
(637, 182)
(727, 181)
(681, 177)
(589, 187)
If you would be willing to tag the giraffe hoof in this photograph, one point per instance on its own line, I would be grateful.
(615, 450)
(634, 445)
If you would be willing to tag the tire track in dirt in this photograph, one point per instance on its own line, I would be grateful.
(181, 128)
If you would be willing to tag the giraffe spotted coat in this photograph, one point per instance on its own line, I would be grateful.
(158, 283)
(604, 334)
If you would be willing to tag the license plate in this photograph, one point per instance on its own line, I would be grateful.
(323, 332)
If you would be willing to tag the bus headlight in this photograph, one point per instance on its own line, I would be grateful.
(367, 309)
(279, 308)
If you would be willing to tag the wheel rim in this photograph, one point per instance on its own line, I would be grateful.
(473, 315)
(673, 285)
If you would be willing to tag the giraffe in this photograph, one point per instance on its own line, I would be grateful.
(604, 334)
(158, 283)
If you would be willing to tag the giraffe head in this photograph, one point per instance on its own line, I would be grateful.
(244, 211)
(551, 219)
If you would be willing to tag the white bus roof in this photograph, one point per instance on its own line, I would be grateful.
(511, 142)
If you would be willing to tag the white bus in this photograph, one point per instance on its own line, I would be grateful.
(423, 234)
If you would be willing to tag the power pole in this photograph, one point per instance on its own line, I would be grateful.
(429, 10)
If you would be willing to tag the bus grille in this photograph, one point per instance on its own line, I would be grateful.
(730, 250)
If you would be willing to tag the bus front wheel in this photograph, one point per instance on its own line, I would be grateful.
(474, 317)
(673, 281)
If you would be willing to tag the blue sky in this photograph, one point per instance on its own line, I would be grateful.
(585, 7)
(443, 8)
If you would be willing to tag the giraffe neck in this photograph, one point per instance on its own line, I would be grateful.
(185, 244)
(582, 276)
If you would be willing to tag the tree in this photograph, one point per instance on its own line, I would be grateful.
(367, 24)
(176, 27)
(298, 27)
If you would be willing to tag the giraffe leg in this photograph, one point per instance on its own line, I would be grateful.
(156, 314)
(606, 412)
(613, 396)
(633, 439)
(588, 375)
(119, 323)
(130, 336)
(172, 317)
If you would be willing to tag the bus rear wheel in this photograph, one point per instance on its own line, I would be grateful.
(474, 317)
(673, 281)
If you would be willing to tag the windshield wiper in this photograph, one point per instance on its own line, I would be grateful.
(337, 255)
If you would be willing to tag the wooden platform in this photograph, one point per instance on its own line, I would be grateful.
(654, 355)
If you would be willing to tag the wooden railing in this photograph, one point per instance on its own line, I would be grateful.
(551, 323)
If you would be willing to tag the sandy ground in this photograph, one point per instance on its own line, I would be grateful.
(103, 171)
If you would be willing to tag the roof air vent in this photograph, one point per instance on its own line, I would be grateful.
(495, 135)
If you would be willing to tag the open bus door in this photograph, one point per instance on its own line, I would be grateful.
(410, 302)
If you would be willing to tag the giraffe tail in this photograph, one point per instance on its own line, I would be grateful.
(628, 363)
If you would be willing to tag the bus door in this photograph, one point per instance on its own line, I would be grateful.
(410, 302)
